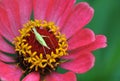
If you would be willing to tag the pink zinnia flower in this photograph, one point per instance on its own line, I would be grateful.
(31, 50)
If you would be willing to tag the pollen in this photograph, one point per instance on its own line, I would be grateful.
(32, 55)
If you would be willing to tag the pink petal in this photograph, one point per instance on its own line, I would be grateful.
(13, 15)
(34, 76)
(64, 14)
(81, 38)
(12, 9)
(69, 76)
(57, 8)
(9, 72)
(5, 58)
(5, 29)
(100, 42)
(80, 62)
(40, 8)
(25, 7)
(81, 15)
(4, 46)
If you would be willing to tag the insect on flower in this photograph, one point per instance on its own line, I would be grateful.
(40, 38)
(35, 49)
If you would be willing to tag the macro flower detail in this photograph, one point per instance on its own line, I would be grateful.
(37, 37)
(33, 56)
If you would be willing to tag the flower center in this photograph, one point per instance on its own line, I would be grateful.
(40, 46)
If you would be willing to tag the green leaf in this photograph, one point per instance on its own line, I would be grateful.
(61, 70)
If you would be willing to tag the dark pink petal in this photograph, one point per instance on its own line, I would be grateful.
(81, 38)
(100, 42)
(9, 72)
(5, 29)
(81, 15)
(12, 9)
(69, 76)
(40, 8)
(57, 8)
(34, 76)
(80, 62)
(25, 7)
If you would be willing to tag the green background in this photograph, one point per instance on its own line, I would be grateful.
(106, 21)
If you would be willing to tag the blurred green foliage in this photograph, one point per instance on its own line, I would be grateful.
(106, 21)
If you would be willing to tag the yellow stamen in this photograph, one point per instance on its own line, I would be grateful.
(41, 60)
